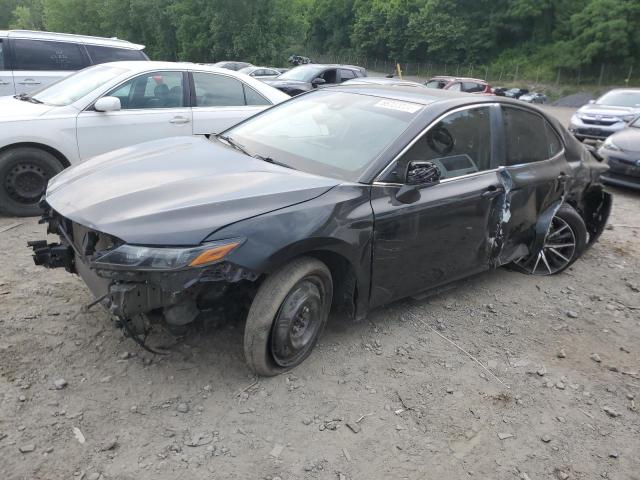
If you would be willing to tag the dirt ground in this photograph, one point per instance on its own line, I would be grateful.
(385, 398)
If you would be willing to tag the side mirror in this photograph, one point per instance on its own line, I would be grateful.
(108, 104)
(591, 102)
(318, 81)
(422, 173)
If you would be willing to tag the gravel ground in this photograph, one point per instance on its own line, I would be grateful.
(388, 397)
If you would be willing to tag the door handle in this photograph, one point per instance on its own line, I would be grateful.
(29, 81)
(179, 120)
(493, 191)
(563, 177)
(4, 83)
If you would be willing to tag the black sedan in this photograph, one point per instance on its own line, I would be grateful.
(340, 200)
(622, 152)
(306, 78)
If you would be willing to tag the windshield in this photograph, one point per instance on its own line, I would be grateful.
(620, 98)
(304, 73)
(76, 86)
(334, 134)
(247, 70)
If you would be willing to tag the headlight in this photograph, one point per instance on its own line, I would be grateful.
(160, 258)
(628, 118)
(608, 144)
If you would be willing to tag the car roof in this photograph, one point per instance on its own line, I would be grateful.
(383, 81)
(69, 37)
(426, 96)
(157, 65)
(457, 79)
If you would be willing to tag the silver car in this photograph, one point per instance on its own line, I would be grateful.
(607, 115)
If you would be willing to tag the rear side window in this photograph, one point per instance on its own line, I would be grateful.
(1, 56)
(471, 87)
(346, 75)
(101, 54)
(44, 55)
(529, 137)
(217, 91)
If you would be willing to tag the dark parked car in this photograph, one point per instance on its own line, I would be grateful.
(500, 91)
(343, 199)
(459, 84)
(622, 152)
(307, 77)
(515, 92)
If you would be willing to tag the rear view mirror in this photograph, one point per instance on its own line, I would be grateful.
(108, 104)
(422, 173)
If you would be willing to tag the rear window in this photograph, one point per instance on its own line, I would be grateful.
(101, 54)
(45, 55)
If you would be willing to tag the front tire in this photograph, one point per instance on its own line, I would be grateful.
(565, 241)
(287, 316)
(24, 174)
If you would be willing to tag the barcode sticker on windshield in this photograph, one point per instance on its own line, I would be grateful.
(398, 105)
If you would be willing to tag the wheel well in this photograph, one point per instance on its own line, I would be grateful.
(345, 284)
(61, 158)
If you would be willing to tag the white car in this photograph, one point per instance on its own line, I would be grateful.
(111, 106)
(261, 73)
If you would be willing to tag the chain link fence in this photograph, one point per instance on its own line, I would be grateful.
(599, 75)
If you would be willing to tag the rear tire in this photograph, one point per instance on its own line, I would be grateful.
(24, 174)
(287, 316)
(566, 240)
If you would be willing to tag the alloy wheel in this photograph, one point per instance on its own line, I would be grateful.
(557, 252)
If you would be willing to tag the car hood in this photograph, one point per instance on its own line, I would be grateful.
(607, 110)
(13, 109)
(627, 139)
(176, 191)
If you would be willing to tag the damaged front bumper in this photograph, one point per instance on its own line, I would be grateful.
(175, 296)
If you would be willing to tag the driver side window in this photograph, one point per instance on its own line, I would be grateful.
(460, 144)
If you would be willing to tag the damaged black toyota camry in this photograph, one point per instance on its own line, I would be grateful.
(338, 200)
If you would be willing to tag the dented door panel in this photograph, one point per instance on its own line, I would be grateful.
(447, 234)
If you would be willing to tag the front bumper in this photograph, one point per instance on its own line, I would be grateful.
(593, 131)
(175, 296)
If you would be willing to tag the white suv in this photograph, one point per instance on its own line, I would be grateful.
(31, 60)
(111, 106)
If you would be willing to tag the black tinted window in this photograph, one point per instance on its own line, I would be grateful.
(1, 56)
(529, 137)
(459, 144)
(253, 97)
(471, 87)
(43, 55)
(100, 54)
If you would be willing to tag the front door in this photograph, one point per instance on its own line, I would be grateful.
(220, 101)
(6, 75)
(448, 232)
(154, 106)
(536, 171)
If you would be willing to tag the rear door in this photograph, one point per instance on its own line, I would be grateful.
(536, 173)
(154, 106)
(6, 75)
(38, 63)
(220, 101)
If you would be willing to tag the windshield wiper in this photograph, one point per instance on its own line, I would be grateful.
(271, 160)
(25, 97)
(233, 143)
